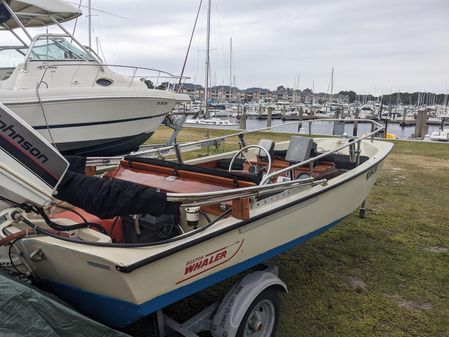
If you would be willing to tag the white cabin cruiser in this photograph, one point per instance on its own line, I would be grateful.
(200, 221)
(65, 91)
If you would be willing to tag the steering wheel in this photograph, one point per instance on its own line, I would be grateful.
(244, 149)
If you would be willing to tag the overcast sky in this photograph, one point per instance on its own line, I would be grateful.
(375, 46)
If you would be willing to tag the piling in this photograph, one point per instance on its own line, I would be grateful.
(300, 117)
(386, 127)
(242, 117)
(421, 127)
(270, 112)
(404, 115)
(356, 123)
(312, 111)
(337, 113)
(443, 120)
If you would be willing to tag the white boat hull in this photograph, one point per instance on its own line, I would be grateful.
(117, 287)
(93, 121)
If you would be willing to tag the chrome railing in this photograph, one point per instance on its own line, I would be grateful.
(159, 74)
(264, 187)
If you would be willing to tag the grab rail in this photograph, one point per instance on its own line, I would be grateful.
(204, 198)
(243, 133)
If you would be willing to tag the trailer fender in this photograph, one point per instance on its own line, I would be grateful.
(234, 305)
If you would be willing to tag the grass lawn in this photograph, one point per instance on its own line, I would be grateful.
(385, 275)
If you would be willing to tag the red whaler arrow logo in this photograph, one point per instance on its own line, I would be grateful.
(211, 260)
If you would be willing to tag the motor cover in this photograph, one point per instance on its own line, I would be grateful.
(30, 167)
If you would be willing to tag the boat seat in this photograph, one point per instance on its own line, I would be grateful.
(342, 161)
(268, 145)
(237, 165)
(300, 149)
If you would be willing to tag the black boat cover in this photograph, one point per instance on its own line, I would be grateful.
(29, 312)
(76, 164)
(108, 198)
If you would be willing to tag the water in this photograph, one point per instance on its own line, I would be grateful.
(326, 128)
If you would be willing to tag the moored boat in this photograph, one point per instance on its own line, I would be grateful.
(440, 136)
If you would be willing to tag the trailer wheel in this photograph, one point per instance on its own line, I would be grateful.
(262, 317)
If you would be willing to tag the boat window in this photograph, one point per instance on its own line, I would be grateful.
(104, 82)
(50, 48)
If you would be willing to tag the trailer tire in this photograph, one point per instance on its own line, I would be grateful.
(262, 317)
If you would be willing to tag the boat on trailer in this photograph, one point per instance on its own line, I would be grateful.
(200, 221)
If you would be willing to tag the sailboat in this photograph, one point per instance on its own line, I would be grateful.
(207, 120)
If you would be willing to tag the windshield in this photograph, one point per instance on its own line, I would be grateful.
(50, 48)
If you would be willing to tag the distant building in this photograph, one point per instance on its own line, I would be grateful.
(193, 90)
(257, 95)
(221, 93)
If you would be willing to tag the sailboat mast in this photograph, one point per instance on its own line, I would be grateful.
(230, 69)
(313, 92)
(332, 82)
(206, 90)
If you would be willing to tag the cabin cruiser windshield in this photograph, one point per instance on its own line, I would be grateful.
(56, 48)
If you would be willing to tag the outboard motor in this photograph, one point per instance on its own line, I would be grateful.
(33, 173)
(30, 167)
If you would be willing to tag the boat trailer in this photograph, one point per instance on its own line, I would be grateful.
(250, 307)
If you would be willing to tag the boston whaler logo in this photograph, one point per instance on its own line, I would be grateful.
(9, 131)
(211, 260)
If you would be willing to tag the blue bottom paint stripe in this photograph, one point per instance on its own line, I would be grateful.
(120, 313)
